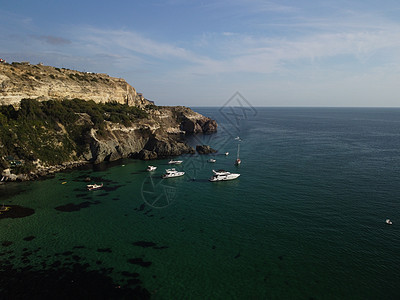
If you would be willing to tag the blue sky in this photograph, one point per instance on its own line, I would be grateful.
(199, 53)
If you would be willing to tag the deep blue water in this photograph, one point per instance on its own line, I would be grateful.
(305, 220)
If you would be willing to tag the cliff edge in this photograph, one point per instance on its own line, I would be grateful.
(23, 80)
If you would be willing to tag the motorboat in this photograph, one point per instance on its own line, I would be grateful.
(238, 161)
(175, 162)
(212, 160)
(389, 222)
(170, 173)
(237, 138)
(92, 187)
(226, 153)
(151, 168)
(222, 175)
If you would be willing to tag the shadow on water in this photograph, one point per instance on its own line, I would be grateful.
(76, 281)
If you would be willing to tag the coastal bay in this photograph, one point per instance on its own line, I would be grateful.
(306, 218)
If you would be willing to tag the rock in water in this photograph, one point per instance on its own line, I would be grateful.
(205, 149)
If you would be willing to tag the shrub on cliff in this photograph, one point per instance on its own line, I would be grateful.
(49, 131)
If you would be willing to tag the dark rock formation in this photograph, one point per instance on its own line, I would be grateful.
(205, 149)
(198, 126)
(165, 148)
(15, 211)
(145, 155)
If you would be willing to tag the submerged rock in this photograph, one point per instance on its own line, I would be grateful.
(15, 211)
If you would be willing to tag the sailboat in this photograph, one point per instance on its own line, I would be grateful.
(238, 161)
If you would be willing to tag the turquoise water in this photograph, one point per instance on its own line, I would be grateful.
(305, 220)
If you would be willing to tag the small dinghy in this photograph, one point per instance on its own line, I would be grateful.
(389, 222)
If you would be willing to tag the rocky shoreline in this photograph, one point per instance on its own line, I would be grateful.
(158, 151)
(41, 172)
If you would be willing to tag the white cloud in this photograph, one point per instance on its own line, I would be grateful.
(233, 52)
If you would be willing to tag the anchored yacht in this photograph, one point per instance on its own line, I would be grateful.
(151, 168)
(169, 173)
(222, 175)
(175, 162)
(93, 187)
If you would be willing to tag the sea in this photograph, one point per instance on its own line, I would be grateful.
(306, 219)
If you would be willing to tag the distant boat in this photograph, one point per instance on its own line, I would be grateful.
(169, 173)
(151, 168)
(238, 161)
(389, 222)
(211, 160)
(175, 162)
(92, 187)
(222, 175)
(237, 138)
(226, 153)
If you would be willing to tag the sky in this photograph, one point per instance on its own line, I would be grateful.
(200, 53)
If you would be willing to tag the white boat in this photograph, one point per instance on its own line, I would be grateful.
(238, 161)
(169, 173)
(389, 222)
(222, 175)
(92, 187)
(175, 162)
(237, 138)
(226, 153)
(211, 160)
(151, 168)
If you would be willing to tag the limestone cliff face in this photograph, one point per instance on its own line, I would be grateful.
(22, 80)
(158, 136)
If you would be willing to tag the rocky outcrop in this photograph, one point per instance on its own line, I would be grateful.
(205, 149)
(158, 133)
(192, 122)
(136, 145)
(145, 155)
(158, 136)
(167, 147)
(116, 144)
(22, 80)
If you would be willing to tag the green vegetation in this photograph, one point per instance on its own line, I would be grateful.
(151, 107)
(56, 131)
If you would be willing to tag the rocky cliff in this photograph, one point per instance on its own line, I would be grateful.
(23, 80)
(161, 134)
(53, 130)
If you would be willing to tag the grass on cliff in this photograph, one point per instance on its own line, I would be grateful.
(54, 131)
